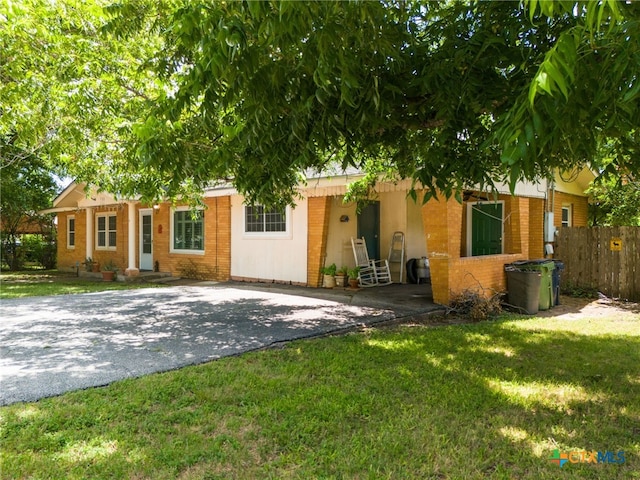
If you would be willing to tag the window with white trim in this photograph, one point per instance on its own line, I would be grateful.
(259, 219)
(106, 231)
(71, 231)
(187, 231)
(566, 215)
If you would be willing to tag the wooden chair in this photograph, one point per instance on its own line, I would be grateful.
(372, 272)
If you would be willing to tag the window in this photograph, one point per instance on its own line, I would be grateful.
(258, 219)
(566, 215)
(187, 231)
(71, 231)
(106, 227)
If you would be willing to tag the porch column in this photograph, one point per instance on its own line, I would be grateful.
(516, 227)
(89, 233)
(131, 270)
(442, 221)
(318, 212)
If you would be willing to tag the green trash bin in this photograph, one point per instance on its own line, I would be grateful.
(545, 267)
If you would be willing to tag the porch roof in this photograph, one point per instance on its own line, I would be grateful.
(75, 196)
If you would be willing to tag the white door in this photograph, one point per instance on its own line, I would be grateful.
(146, 239)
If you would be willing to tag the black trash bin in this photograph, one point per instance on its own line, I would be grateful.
(523, 288)
(556, 280)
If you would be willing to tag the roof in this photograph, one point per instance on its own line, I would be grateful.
(330, 182)
(76, 196)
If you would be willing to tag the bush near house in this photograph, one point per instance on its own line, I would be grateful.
(30, 250)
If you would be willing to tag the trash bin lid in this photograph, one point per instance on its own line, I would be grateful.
(541, 264)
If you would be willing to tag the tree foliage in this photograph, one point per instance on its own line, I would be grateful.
(616, 201)
(70, 92)
(27, 187)
(163, 98)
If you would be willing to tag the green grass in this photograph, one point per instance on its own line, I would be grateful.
(487, 400)
(50, 282)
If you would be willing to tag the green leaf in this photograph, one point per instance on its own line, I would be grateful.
(632, 93)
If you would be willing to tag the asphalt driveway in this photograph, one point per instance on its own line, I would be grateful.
(51, 345)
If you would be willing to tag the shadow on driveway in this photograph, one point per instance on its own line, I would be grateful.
(51, 345)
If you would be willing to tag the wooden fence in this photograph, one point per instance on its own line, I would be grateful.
(606, 258)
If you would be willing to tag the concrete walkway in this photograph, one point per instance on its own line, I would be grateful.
(51, 345)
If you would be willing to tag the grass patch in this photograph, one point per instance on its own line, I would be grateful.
(487, 400)
(32, 283)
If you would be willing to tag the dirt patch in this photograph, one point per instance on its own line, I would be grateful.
(571, 307)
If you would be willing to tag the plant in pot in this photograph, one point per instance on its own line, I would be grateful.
(109, 271)
(329, 279)
(353, 277)
(341, 276)
(90, 265)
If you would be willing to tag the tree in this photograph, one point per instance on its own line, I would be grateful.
(450, 94)
(615, 202)
(71, 91)
(27, 187)
(178, 94)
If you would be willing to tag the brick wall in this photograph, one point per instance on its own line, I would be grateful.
(318, 227)
(536, 228)
(119, 255)
(67, 257)
(579, 209)
(516, 225)
(451, 272)
(442, 221)
(215, 262)
(484, 274)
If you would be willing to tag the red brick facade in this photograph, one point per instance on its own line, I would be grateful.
(319, 209)
(444, 223)
(452, 271)
(214, 263)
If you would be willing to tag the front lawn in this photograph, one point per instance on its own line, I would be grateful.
(491, 400)
(31, 283)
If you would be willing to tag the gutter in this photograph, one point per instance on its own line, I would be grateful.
(57, 210)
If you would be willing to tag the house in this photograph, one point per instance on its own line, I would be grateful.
(467, 243)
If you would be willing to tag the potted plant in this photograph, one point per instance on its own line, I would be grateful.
(109, 271)
(353, 277)
(329, 280)
(90, 265)
(341, 276)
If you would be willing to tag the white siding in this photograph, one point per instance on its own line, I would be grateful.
(283, 259)
(339, 249)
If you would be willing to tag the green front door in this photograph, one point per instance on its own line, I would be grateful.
(369, 228)
(486, 229)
